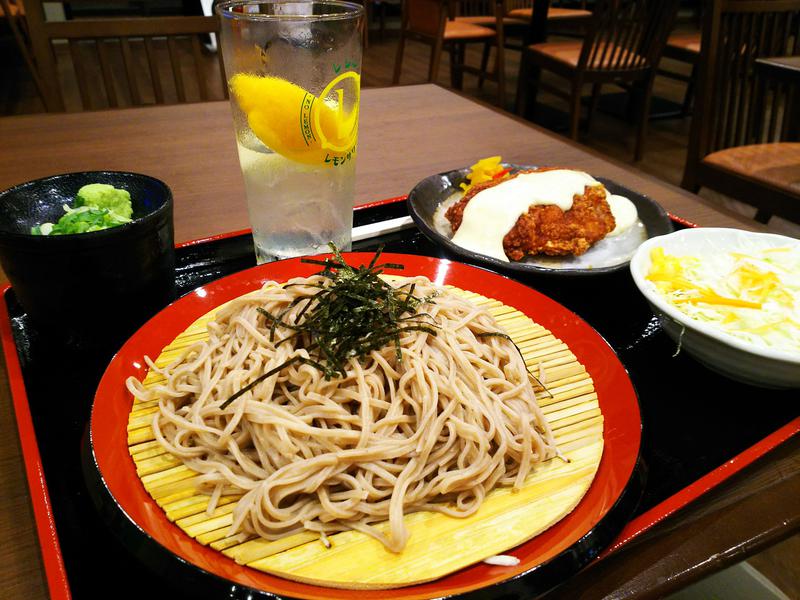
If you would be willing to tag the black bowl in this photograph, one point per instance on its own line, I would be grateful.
(96, 287)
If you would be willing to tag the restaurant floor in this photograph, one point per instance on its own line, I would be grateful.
(665, 153)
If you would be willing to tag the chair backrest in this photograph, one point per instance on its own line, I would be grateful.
(139, 60)
(515, 4)
(627, 35)
(469, 8)
(734, 106)
(14, 14)
(425, 17)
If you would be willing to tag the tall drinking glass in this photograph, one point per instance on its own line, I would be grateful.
(293, 71)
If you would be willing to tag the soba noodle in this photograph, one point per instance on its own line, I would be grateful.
(436, 430)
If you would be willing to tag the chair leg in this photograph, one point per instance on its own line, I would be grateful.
(398, 61)
(575, 109)
(436, 58)
(457, 53)
(644, 117)
(527, 87)
(521, 100)
(596, 89)
(500, 75)
(763, 216)
(487, 48)
(689, 96)
(689, 181)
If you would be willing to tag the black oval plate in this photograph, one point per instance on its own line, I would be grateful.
(431, 192)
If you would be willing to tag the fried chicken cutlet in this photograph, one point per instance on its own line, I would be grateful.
(546, 229)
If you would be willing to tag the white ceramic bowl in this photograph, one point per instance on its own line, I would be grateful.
(731, 356)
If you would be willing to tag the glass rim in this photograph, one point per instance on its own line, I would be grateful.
(225, 9)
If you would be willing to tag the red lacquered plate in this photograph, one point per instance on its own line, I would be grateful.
(146, 529)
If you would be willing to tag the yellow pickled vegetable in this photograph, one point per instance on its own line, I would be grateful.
(484, 170)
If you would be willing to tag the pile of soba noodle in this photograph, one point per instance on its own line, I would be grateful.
(436, 430)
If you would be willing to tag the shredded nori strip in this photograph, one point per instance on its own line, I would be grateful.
(508, 337)
(355, 313)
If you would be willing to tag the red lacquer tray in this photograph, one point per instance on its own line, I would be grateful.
(638, 342)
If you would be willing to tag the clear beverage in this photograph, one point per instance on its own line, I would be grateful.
(295, 209)
(293, 70)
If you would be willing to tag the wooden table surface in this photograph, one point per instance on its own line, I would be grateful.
(406, 134)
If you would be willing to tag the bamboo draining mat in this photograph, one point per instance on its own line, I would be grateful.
(438, 544)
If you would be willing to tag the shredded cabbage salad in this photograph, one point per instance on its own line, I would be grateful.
(753, 294)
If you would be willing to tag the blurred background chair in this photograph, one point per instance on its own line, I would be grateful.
(13, 13)
(124, 61)
(561, 19)
(683, 47)
(376, 9)
(744, 137)
(483, 13)
(623, 45)
(434, 22)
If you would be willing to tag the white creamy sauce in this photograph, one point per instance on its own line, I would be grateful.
(624, 211)
(492, 213)
(610, 251)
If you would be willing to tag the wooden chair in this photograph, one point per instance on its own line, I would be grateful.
(740, 141)
(126, 54)
(434, 22)
(516, 20)
(683, 47)
(557, 15)
(623, 44)
(371, 9)
(519, 14)
(483, 14)
(14, 14)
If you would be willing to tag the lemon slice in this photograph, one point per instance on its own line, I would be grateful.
(297, 124)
